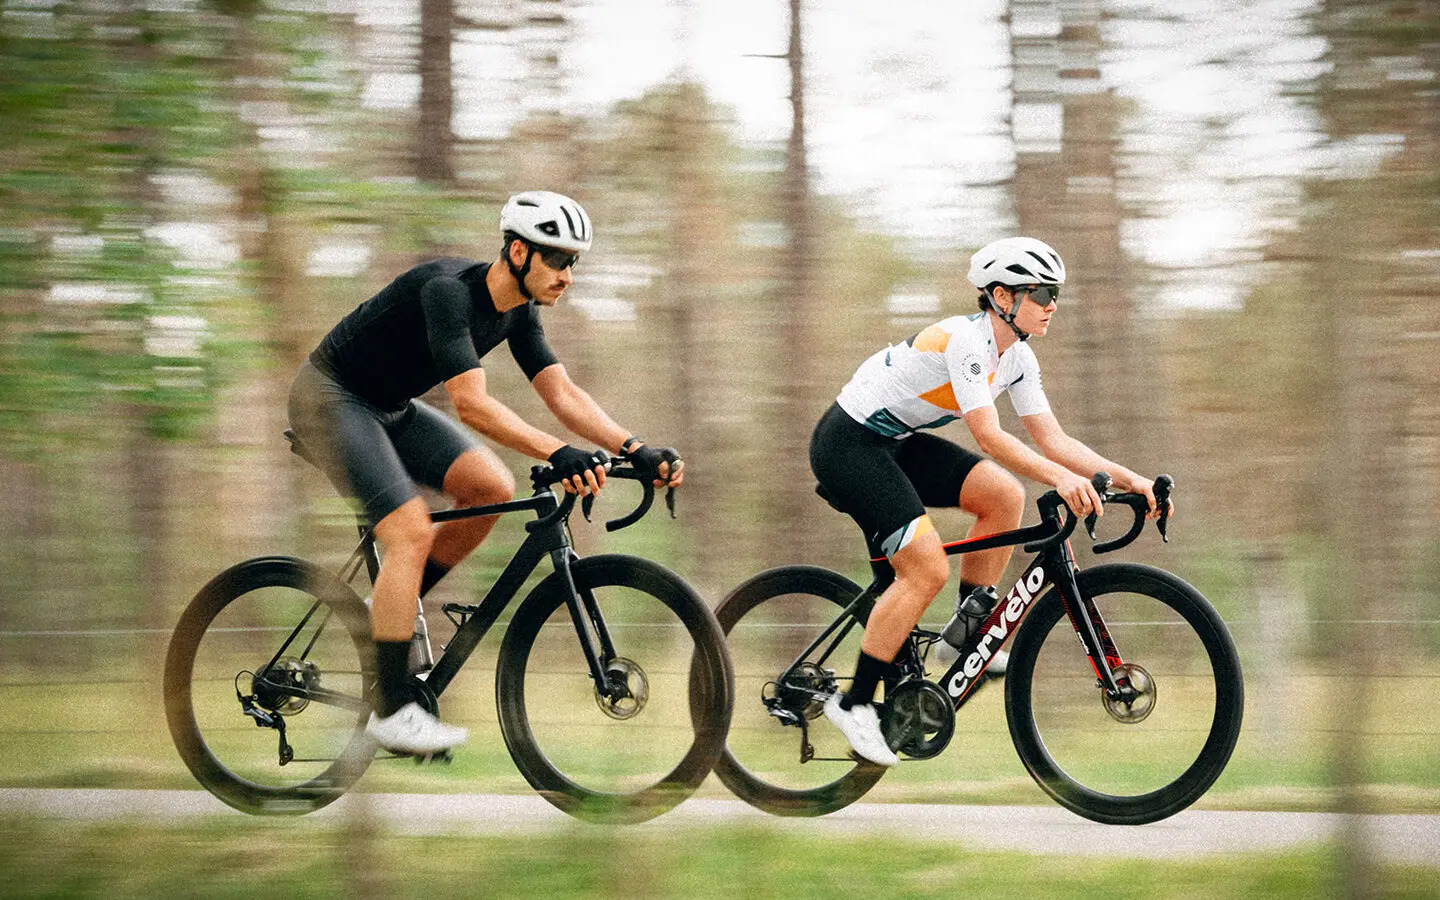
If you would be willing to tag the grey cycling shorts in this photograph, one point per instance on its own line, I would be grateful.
(376, 456)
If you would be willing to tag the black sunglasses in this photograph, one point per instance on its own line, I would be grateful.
(1043, 294)
(556, 258)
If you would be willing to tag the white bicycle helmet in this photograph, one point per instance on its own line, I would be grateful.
(1015, 261)
(548, 219)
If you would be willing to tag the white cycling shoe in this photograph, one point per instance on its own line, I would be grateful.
(410, 729)
(861, 726)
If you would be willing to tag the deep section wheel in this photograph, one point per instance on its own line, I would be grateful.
(267, 685)
(779, 756)
(1152, 751)
(633, 752)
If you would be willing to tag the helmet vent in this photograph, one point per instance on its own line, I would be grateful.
(549, 228)
(527, 203)
(1044, 263)
(577, 233)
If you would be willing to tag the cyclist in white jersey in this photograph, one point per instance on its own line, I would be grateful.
(871, 463)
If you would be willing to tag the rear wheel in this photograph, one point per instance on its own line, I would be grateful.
(636, 753)
(768, 622)
(267, 686)
(1152, 754)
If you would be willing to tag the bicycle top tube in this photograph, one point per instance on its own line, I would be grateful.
(538, 501)
(1052, 531)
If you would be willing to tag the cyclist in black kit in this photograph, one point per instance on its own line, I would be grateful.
(354, 402)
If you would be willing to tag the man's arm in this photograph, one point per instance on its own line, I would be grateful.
(1010, 452)
(498, 422)
(495, 420)
(1074, 455)
(579, 412)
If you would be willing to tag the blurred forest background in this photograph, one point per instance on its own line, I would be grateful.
(1247, 195)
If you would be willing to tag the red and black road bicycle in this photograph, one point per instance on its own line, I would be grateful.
(1124, 693)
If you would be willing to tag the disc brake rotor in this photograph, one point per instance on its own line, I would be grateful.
(290, 672)
(1139, 701)
(634, 689)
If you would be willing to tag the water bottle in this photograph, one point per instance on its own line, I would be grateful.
(970, 613)
(422, 659)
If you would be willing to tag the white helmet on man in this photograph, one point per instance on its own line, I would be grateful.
(548, 219)
(1014, 261)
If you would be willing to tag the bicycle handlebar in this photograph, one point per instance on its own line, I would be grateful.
(1051, 505)
(1139, 506)
(542, 477)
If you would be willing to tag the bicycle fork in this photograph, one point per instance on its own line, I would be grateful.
(595, 641)
(1089, 626)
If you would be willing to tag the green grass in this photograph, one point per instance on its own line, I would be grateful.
(309, 859)
(113, 734)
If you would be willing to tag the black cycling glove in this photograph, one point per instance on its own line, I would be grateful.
(568, 461)
(647, 459)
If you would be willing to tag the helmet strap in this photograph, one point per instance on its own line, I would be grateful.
(1009, 318)
(521, 271)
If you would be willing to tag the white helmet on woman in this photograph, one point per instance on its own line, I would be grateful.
(548, 219)
(1014, 261)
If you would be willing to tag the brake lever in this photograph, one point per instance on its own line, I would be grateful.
(1101, 482)
(1164, 484)
(670, 501)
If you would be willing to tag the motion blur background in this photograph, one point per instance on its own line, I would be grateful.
(1245, 194)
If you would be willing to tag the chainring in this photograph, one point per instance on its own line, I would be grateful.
(918, 719)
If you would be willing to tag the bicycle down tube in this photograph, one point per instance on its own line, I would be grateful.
(549, 539)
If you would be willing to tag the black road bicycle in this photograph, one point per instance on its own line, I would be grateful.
(613, 682)
(1124, 693)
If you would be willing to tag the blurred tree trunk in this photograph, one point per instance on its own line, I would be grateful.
(803, 398)
(695, 221)
(545, 147)
(275, 242)
(434, 138)
(1065, 125)
(146, 465)
(1374, 389)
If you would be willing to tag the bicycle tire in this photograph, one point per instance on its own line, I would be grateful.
(1159, 622)
(677, 631)
(828, 593)
(226, 752)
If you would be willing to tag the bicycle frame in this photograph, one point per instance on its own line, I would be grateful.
(547, 537)
(1053, 565)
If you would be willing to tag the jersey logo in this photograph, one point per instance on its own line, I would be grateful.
(972, 369)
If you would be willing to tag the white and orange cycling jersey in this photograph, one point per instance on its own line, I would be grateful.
(939, 375)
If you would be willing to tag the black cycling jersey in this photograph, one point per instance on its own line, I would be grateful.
(430, 324)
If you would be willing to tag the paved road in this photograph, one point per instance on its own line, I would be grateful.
(1031, 829)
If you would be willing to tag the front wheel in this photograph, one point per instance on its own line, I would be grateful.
(770, 761)
(635, 753)
(267, 686)
(1152, 754)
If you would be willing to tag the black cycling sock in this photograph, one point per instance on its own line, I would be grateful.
(433, 573)
(868, 672)
(392, 668)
